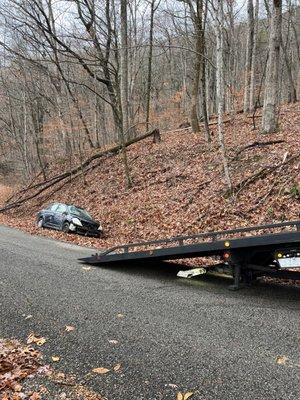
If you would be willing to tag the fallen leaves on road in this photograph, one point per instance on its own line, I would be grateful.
(39, 340)
(35, 396)
(86, 268)
(120, 315)
(62, 378)
(172, 385)
(113, 341)
(117, 367)
(55, 358)
(281, 360)
(17, 362)
(69, 328)
(101, 370)
(82, 392)
(184, 396)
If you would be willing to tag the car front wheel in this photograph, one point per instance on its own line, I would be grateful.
(66, 227)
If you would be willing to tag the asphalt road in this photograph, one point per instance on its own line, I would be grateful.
(175, 335)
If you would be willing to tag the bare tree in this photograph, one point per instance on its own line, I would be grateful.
(153, 7)
(271, 97)
(253, 61)
(292, 96)
(124, 88)
(249, 55)
(219, 29)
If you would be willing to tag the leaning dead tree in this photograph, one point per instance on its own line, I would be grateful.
(34, 190)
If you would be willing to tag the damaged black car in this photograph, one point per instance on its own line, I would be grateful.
(69, 218)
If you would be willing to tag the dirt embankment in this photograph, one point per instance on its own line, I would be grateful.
(179, 186)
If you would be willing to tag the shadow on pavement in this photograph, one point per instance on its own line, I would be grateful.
(163, 271)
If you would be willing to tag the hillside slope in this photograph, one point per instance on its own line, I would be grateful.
(179, 186)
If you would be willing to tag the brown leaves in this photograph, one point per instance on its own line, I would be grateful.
(39, 340)
(117, 367)
(35, 396)
(5, 366)
(184, 396)
(69, 328)
(281, 360)
(16, 363)
(101, 370)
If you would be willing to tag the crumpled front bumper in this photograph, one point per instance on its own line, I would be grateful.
(85, 230)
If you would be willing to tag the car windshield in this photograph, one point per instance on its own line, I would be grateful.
(79, 212)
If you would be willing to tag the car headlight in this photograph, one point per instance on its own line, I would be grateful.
(76, 221)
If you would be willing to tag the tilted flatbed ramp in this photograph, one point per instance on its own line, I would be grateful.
(256, 248)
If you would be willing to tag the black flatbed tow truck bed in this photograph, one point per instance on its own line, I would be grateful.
(264, 250)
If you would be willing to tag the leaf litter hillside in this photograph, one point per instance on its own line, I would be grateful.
(179, 187)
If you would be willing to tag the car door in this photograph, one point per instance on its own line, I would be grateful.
(60, 215)
(49, 214)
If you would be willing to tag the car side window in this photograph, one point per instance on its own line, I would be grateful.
(61, 208)
(54, 207)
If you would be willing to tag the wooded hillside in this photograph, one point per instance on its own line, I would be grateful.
(85, 86)
(80, 75)
(178, 185)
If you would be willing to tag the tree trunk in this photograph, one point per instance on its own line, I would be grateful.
(195, 87)
(271, 97)
(249, 54)
(124, 66)
(149, 78)
(199, 69)
(252, 100)
(292, 88)
(220, 87)
(124, 89)
(204, 103)
(203, 72)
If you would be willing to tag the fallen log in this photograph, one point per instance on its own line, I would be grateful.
(188, 127)
(42, 186)
(255, 144)
(262, 173)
